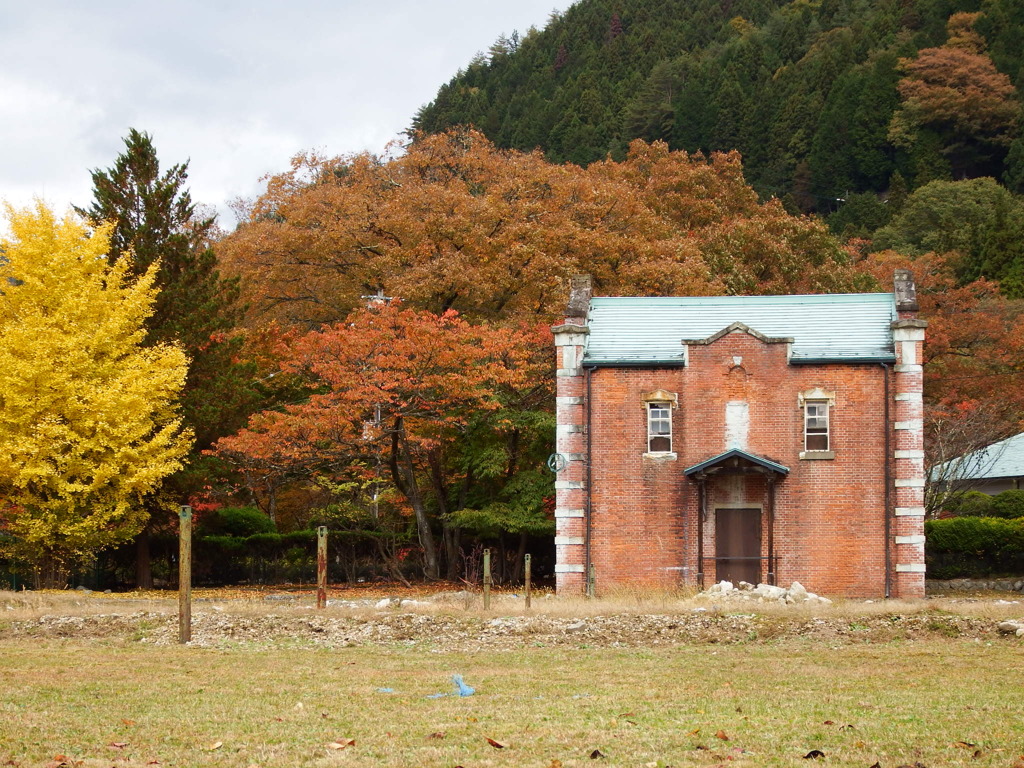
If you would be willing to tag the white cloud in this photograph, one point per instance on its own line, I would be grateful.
(237, 87)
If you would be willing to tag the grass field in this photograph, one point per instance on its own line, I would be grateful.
(932, 703)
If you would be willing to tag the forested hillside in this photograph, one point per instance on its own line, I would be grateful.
(823, 99)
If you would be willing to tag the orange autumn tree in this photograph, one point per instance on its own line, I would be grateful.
(956, 92)
(973, 362)
(398, 392)
(455, 223)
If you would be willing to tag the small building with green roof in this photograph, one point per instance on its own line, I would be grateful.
(742, 438)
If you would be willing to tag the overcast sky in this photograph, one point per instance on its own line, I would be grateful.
(235, 86)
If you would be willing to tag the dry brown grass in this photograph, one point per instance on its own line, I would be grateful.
(860, 695)
(898, 704)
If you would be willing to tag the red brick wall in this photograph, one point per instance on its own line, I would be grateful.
(829, 514)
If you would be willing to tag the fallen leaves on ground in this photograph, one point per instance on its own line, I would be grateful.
(495, 744)
(339, 744)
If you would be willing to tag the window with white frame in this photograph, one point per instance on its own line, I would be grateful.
(816, 427)
(659, 427)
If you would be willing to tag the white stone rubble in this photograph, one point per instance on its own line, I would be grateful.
(1012, 627)
(762, 593)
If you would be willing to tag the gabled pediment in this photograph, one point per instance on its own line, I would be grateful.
(740, 328)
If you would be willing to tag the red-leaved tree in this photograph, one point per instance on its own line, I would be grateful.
(395, 389)
(974, 365)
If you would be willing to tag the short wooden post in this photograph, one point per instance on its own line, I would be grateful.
(526, 579)
(185, 575)
(487, 579)
(321, 567)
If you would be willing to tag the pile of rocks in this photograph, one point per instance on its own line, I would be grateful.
(763, 593)
(1012, 627)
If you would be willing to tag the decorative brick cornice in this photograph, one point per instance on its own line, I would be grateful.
(909, 322)
(569, 328)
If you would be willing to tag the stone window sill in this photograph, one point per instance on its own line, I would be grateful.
(817, 455)
(661, 456)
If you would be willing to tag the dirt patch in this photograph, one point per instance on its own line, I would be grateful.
(455, 620)
(452, 632)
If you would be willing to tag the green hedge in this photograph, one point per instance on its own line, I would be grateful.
(962, 547)
(1008, 505)
(234, 521)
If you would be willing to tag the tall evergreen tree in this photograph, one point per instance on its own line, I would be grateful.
(155, 219)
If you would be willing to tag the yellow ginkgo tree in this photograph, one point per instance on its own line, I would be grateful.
(89, 419)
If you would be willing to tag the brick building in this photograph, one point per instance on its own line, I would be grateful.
(756, 438)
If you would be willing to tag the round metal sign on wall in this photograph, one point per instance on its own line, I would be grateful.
(556, 462)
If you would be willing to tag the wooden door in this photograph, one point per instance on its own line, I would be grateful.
(738, 545)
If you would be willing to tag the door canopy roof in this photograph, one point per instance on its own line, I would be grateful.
(735, 462)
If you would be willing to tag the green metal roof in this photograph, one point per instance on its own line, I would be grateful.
(1002, 459)
(845, 327)
(736, 453)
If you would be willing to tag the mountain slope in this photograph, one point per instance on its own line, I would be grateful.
(805, 90)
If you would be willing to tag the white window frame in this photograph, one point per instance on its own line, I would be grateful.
(817, 396)
(820, 409)
(659, 412)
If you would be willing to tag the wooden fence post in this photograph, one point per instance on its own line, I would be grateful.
(321, 567)
(526, 579)
(487, 579)
(185, 575)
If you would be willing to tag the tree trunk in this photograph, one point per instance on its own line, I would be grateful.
(502, 560)
(51, 573)
(450, 534)
(143, 558)
(517, 568)
(391, 563)
(405, 478)
(452, 542)
(272, 504)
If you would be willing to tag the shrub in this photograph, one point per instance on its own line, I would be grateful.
(240, 522)
(974, 546)
(972, 504)
(1008, 504)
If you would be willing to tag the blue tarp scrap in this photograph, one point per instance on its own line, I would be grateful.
(461, 689)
